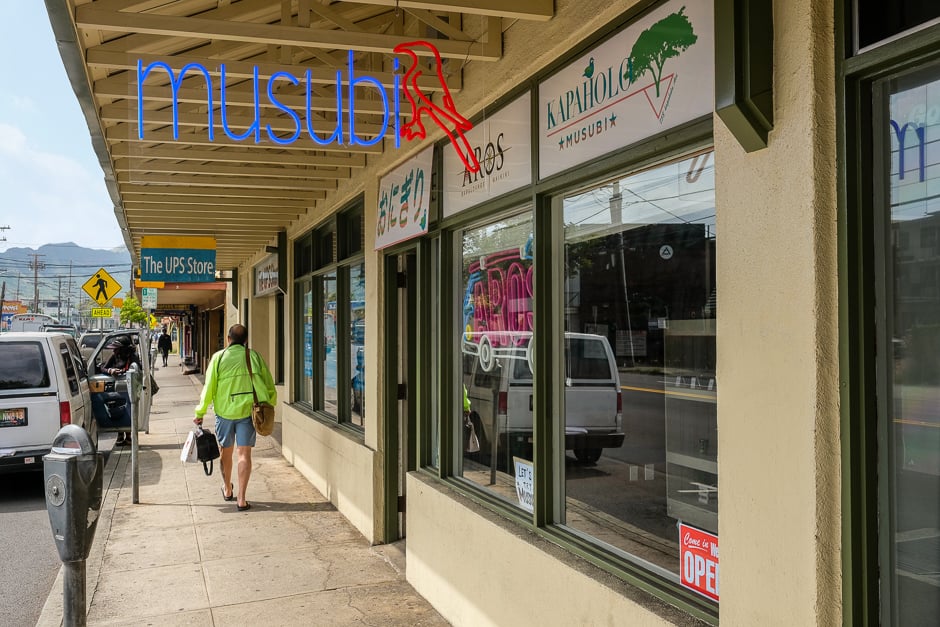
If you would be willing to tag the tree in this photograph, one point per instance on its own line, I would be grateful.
(663, 40)
(132, 312)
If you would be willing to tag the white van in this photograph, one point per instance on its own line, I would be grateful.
(43, 386)
(31, 322)
(500, 392)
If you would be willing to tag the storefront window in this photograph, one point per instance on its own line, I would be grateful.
(910, 510)
(497, 321)
(328, 284)
(640, 417)
(331, 370)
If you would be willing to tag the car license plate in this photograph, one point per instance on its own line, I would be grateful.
(13, 417)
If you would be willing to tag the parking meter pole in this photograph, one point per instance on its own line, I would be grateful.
(73, 473)
(73, 594)
(134, 380)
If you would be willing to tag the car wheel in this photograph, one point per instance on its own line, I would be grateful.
(588, 455)
(487, 356)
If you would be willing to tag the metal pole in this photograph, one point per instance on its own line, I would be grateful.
(73, 592)
(135, 469)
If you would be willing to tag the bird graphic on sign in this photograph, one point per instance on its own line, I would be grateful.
(589, 70)
(444, 115)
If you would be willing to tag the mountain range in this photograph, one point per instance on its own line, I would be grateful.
(63, 269)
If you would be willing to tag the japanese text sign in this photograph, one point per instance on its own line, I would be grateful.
(404, 200)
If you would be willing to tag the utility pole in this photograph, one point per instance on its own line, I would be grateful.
(58, 302)
(68, 305)
(35, 265)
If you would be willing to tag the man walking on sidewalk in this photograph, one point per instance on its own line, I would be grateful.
(165, 345)
(228, 387)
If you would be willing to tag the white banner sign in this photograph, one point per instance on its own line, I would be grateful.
(502, 144)
(525, 483)
(266, 276)
(656, 74)
(404, 200)
(148, 298)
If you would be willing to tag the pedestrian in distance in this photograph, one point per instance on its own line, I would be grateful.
(228, 388)
(165, 345)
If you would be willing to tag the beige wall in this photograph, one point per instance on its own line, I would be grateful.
(778, 410)
(337, 465)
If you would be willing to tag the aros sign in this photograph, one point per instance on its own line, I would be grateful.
(405, 88)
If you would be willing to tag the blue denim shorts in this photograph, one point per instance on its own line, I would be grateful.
(232, 432)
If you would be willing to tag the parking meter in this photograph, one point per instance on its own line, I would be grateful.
(73, 474)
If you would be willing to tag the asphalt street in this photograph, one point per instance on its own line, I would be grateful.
(29, 561)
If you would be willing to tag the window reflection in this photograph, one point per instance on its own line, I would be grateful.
(357, 344)
(328, 281)
(497, 322)
(640, 388)
(913, 457)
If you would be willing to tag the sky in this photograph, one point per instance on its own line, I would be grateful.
(51, 186)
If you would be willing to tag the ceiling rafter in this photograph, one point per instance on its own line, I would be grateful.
(227, 181)
(128, 133)
(87, 16)
(233, 205)
(239, 121)
(172, 190)
(308, 174)
(181, 152)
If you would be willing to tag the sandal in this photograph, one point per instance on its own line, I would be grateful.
(245, 507)
(228, 498)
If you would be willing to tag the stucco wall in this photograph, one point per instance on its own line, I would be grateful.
(335, 463)
(477, 570)
(778, 411)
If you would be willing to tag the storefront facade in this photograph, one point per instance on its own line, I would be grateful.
(522, 369)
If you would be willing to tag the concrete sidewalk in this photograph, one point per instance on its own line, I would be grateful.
(183, 556)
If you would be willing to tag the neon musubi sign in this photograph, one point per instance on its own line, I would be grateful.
(404, 87)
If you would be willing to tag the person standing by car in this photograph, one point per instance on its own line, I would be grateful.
(121, 359)
(165, 345)
(228, 388)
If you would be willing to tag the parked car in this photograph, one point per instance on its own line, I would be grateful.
(110, 403)
(61, 328)
(500, 392)
(43, 386)
(89, 341)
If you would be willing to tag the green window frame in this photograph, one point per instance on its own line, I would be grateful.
(328, 259)
(866, 296)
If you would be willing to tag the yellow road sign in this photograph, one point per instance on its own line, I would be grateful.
(101, 312)
(101, 286)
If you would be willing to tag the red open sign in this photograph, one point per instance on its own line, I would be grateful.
(698, 556)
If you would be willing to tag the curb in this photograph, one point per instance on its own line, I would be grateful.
(52, 613)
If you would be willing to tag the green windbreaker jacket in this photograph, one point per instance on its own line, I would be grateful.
(227, 385)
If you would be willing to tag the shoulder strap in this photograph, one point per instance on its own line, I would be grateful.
(251, 377)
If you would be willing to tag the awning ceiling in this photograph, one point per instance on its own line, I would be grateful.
(241, 192)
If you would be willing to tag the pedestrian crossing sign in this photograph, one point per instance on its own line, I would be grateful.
(101, 286)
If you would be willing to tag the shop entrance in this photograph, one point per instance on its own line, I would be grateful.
(400, 368)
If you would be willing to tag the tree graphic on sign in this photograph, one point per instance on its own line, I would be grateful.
(663, 40)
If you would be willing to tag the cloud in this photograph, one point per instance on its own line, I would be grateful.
(49, 197)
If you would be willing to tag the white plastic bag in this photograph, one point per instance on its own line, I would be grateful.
(189, 453)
